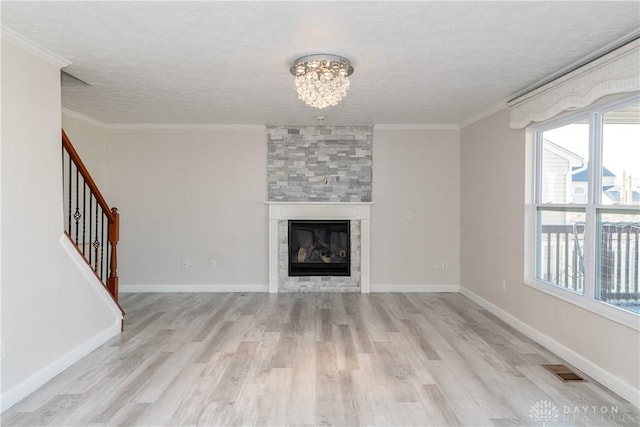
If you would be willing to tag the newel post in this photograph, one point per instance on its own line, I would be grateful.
(114, 236)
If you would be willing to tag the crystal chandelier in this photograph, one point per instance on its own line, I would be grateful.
(321, 80)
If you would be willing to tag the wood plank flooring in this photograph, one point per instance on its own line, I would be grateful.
(316, 360)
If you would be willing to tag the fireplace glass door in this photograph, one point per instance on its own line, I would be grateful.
(319, 248)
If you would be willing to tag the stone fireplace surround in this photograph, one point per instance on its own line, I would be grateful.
(359, 212)
(319, 173)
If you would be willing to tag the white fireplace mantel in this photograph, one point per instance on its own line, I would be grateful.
(321, 210)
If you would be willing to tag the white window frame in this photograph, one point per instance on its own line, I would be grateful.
(587, 300)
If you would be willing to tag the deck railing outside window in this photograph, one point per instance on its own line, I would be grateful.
(562, 260)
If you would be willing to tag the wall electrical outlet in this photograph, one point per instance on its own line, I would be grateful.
(214, 264)
(185, 263)
(435, 265)
(444, 265)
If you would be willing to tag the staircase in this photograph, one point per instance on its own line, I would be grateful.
(90, 224)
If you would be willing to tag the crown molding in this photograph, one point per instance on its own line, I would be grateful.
(86, 119)
(32, 47)
(211, 126)
(185, 126)
(156, 126)
(444, 126)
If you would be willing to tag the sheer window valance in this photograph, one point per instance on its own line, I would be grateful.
(614, 73)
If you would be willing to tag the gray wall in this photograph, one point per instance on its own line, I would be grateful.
(415, 218)
(189, 194)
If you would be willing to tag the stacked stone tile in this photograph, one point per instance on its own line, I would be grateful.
(319, 164)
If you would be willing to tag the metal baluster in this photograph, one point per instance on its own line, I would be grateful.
(109, 249)
(84, 215)
(63, 186)
(96, 243)
(90, 228)
(102, 248)
(76, 214)
(70, 163)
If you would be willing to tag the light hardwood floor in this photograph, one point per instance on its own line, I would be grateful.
(316, 359)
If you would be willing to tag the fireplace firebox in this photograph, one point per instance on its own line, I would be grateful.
(319, 248)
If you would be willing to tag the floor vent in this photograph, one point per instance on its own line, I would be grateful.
(564, 373)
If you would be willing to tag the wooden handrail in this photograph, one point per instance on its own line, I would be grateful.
(66, 143)
(97, 264)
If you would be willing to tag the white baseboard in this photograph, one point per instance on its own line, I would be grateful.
(420, 287)
(127, 289)
(37, 380)
(596, 372)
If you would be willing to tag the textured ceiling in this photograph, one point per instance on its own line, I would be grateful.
(228, 62)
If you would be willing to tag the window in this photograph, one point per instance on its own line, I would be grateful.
(586, 209)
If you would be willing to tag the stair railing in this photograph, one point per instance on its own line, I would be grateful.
(91, 225)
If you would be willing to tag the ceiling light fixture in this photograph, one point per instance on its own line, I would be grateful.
(321, 80)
